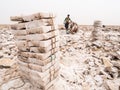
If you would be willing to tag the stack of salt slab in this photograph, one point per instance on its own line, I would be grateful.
(37, 42)
(96, 34)
(97, 23)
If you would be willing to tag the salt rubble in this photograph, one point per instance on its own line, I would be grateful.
(8, 48)
(91, 64)
(85, 64)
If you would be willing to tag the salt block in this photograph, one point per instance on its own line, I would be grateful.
(46, 15)
(44, 83)
(53, 69)
(43, 36)
(22, 58)
(20, 37)
(44, 43)
(31, 17)
(41, 62)
(42, 68)
(19, 26)
(19, 32)
(41, 78)
(40, 29)
(23, 49)
(50, 84)
(41, 24)
(16, 18)
(21, 43)
(50, 22)
(36, 16)
(23, 67)
(107, 62)
(39, 56)
(44, 49)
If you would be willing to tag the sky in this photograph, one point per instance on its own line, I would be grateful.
(81, 11)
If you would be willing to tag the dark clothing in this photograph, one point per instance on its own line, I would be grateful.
(66, 25)
(66, 22)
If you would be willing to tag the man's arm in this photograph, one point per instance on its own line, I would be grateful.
(65, 21)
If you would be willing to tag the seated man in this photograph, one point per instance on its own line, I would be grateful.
(73, 27)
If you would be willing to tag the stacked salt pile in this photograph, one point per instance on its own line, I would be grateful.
(97, 23)
(96, 33)
(37, 41)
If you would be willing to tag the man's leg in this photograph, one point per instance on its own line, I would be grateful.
(67, 30)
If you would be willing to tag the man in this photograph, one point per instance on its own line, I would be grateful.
(66, 23)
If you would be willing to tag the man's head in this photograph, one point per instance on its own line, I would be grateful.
(68, 15)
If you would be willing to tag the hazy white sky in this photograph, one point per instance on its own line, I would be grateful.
(81, 11)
